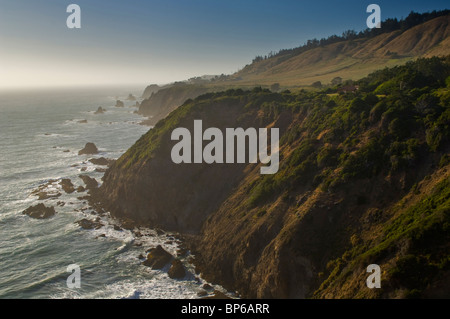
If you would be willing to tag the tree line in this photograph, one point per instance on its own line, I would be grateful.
(388, 25)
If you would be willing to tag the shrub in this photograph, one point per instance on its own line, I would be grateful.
(328, 156)
(366, 162)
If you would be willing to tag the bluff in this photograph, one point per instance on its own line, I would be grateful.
(163, 101)
(149, 90)
(364, 179)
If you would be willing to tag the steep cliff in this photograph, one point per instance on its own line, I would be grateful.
(165, 100)
(149, 90)
(181, 195)
(363, 179)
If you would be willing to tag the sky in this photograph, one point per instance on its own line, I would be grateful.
(139, 42)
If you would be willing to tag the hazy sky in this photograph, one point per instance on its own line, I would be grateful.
(159, 41)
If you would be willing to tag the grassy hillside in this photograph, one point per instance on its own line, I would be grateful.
(363, 178)
(349, 59)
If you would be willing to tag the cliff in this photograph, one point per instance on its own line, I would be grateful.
(160, 103)
(363, 179)
(149, 90)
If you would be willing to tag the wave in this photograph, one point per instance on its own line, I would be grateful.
(35, 253)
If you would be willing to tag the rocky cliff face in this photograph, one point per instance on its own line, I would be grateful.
(363, 180)
(164, 100)
(149, 90)
(154, 190)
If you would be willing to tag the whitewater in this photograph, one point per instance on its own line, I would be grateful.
(41, 132)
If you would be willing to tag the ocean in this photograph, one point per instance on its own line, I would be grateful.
(41, 133)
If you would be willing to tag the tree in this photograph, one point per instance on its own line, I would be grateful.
(275, 87)
(317, 84)
(257, 59)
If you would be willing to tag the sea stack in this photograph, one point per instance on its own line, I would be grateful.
(40, 211)
(90, 148)
(100, 110)
(131, 97)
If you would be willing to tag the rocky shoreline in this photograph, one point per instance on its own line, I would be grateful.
(158, 258)
(96, 217)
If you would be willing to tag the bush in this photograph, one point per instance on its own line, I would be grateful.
(358, 105)
(412, 272)
(328, 156)
(366, 162)
(317, 84)
(275, 87)
(376, 111)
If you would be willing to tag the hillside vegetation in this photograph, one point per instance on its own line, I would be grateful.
(363, 179)
(318, 63)
(352, 56)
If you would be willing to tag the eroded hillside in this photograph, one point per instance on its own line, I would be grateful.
(363, 179)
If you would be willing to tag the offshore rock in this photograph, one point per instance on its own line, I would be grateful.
(40, 211)
(100, 110)
(157, 258)
(67, 185)
(177, 270)
(89, 148)
(100, 161)
(89, 224)
(91, 183)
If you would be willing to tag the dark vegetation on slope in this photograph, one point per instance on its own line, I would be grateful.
(364, 178)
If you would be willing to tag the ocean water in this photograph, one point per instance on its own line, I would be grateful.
(40, 136)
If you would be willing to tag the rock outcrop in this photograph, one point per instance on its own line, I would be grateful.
(149, 90)
(160, 193)
(67, 185)
(157, 258)
(131, 97)
(119, 103)
(89, 224)
(165, 100)
(43, 192)
(91, 183)
(177, 270)
(100, 110)
(101, 161)
(40, 211)
(89, 148)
